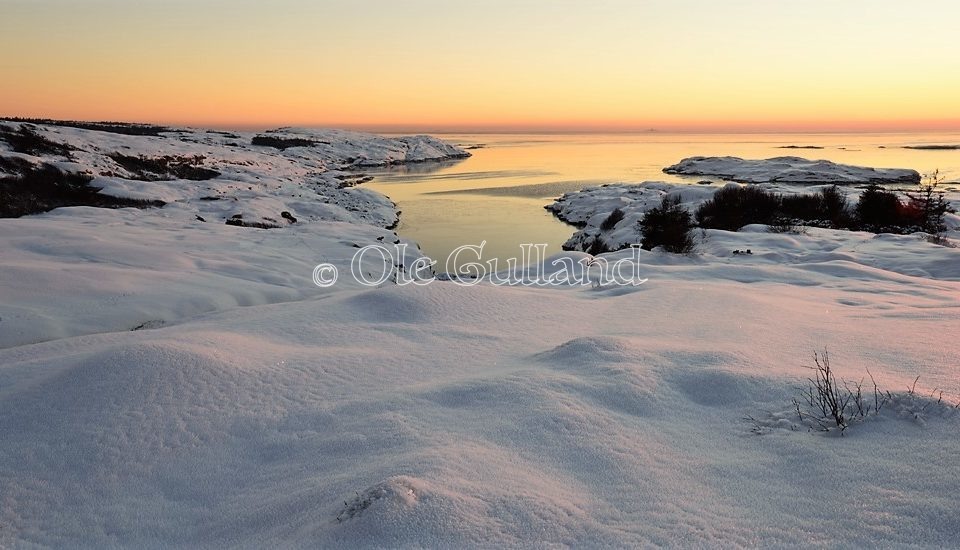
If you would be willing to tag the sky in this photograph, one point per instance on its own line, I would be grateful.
(608, 65)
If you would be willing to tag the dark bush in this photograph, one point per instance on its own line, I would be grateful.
(801, 207)
(828, 207)
(282, 143)
(732, 207)
(32, 189)
(834, 207)
(667, 225)
(880, 210)
(612, 220)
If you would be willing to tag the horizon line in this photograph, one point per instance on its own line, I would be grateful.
(747, 127)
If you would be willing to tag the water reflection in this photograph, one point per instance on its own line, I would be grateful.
(426, 176)
(534, 190)
(415, 168)
(444, 206)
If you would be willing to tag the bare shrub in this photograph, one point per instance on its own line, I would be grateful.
(830, 403)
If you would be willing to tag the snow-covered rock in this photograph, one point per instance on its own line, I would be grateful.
(589, 208)
(312, 183)
(793, 170)
(346, 148)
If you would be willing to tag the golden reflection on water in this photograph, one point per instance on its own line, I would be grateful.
(498, 194)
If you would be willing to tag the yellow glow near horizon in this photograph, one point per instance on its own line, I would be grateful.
(495, 64)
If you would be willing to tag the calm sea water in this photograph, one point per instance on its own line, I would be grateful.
(498, 194)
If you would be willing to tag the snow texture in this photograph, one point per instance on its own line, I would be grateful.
(249, 410)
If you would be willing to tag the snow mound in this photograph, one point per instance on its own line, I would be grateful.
(509, 416)
(587, 350)
(793, 170)
(717, 388)
(396, 495)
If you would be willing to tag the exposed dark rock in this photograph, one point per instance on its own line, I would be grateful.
(32, 189)
(124, 128)
(26, 141)
(237, 220)
(283, 143)
(168, 167)
(934, 147)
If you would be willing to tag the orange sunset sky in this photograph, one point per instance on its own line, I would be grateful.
(487, 65)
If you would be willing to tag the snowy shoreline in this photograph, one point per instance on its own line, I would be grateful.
(305, 194)
(166, 381)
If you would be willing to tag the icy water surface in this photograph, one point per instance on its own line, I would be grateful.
(498, 194)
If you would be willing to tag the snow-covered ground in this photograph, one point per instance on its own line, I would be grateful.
(252, 409)
(790, 170)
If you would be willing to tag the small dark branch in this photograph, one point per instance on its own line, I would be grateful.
(939, 397)
(879, 400)
(913, 389)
